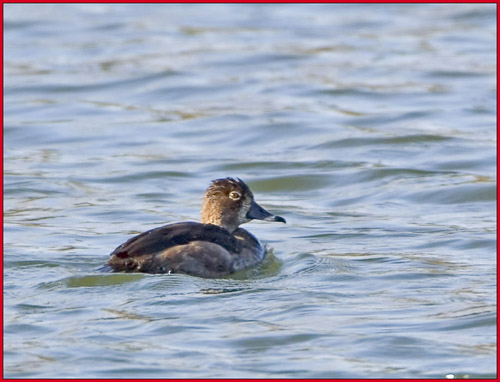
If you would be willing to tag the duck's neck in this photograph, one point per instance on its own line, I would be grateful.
(210, 219)
(211, 215)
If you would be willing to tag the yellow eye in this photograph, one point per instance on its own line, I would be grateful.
(234, 195)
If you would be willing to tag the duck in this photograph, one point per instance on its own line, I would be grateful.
(213, 248)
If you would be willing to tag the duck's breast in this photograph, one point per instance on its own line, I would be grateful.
(252, 251)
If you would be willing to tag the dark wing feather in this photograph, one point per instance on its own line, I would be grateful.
(170, 235)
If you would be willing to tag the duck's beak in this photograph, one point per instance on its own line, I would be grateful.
(257, 212)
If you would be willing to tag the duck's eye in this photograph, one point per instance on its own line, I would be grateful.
(234, 195)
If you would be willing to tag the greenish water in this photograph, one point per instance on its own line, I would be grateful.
(370, 128)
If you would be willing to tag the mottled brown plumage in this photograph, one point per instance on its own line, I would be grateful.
(213, 248)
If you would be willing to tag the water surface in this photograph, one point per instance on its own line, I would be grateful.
(370, 128)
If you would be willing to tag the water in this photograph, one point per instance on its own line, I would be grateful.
(370, 128)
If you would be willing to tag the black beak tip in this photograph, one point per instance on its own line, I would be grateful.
(279, 219)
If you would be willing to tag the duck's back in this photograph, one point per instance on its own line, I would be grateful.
(193, 248)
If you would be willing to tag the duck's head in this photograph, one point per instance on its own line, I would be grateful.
(229, 203)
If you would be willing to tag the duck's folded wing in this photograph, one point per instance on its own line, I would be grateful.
(159, 239)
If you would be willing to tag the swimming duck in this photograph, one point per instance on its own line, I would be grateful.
(212, 248)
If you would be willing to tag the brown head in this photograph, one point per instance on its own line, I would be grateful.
(229, 203)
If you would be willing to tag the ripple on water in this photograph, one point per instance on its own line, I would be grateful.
(458, 194)
(296, 183)
(331, 264)
(101, 280)
(380, 141)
